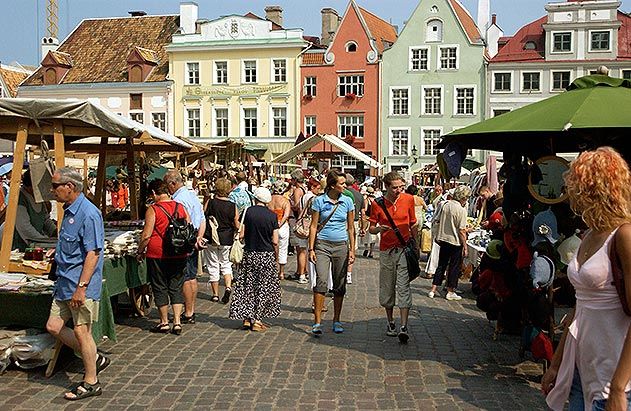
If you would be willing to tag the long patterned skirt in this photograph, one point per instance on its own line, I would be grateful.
(257, 293)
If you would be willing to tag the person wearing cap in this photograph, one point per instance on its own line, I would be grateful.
(281, 207)
(257, 294)
(394, 279)
(592, 363)
(331, 247)
(32, 223)
(451, 236)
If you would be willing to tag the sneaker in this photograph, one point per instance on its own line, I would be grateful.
(453, 297)
(391, 330)
(303, 280)
(403, 335)
(226, 296)
(457, 291)
(349, 278)
(431, 294)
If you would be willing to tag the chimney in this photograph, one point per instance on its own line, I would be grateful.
(493, 19)
(274, 14)
(188, 17)
(484, 10)
(49, 44)
(137, 13)
(330, 23)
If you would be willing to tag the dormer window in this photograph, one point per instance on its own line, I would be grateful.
(50, 76)
(530, 45)
(55, 65)
(434, 31)
(351, 47)
(140, 62)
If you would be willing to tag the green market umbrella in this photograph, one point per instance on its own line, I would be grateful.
(595, 111)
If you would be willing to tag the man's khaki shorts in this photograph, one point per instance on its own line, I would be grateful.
(88, 313)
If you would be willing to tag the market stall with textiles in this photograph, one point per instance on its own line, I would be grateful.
(528, 243)
(72, 127)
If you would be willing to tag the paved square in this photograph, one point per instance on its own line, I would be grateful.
(450, 363)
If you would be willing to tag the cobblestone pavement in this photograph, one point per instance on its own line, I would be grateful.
(450, 363)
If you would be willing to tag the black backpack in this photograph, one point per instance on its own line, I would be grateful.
(180, 236)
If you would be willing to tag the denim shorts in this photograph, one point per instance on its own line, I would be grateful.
(577, 403)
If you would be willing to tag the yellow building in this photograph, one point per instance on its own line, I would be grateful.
(237, 77)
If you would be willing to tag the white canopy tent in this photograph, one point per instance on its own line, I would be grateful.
(334, 141)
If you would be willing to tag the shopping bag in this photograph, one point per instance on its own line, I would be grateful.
(426, 240)
(42, 170)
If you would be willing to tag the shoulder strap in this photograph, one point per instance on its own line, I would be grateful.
(326, 220)
(241, 222)
(305, 208)
(382, 203)
(166, 212)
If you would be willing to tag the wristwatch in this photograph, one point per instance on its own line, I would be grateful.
(83, 284)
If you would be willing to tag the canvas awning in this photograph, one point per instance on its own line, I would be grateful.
(334, 141)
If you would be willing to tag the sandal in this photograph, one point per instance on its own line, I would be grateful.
(162, 328)
(246, 325)
(177, 329)
(84, 390)
(214, 298)
(258, 327)
(337, 327)
(101, 363)
(316, 329)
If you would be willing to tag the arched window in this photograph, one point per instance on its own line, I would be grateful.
(351, 47)
(135, 74)
(50, 76)
(434, 31)
(530, 45)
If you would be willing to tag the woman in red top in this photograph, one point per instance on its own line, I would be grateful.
(166, 272)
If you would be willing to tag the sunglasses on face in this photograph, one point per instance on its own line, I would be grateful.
(55, 185)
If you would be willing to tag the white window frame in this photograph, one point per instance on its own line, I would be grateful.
(165, 119)
(442, 30)
(187, 79)
(359, 86)
(608, 50)
(558, 90)
(442, 99)
(272, 126)
(362, 124)
(186, 119)
(216, 72)
(475, 99)
(258, 123)
(391, 131)
(391, 99)
(422, 143)
(429, 60)
(348, 43)
(308, 87)
(214, 121)
(135, 113)
(521, 77)
(256, 71)
(273, 71)
(440, 53)
(512, 77)
(552, 34)
(307, 125)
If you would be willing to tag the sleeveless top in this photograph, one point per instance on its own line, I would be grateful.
(596, 336)
(280, 212)
(154, 248)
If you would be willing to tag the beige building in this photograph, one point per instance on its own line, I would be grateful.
(237, 77)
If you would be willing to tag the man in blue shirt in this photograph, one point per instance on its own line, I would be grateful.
(181, 194)
(79, 257)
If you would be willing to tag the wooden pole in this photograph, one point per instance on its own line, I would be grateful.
(60, 161)
(14, 192)
(99, 194)
(86, 183)
(131, 178)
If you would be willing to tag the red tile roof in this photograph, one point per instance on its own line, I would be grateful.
(468, 25)
(11, 78)
(380, 30)
(63, 59)
(98, 48)
(313, 59)
(514, 49)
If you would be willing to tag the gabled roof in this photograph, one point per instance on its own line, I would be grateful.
(63, 59)
(148, 55)
(466, 21)
(514, 50)
(11, 77)
(98, 48)
(313, 59)
(378, 29)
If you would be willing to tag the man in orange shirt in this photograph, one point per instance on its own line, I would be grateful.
(393, 271)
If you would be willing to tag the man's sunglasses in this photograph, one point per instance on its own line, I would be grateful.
(55, 185)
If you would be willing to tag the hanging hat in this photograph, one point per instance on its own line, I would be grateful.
(541, 270)
(496, 220)
(568, 248)
(493, 249)
(263, 195)
(544, 228)
(280, 187)
(5, 168)
(541, 347)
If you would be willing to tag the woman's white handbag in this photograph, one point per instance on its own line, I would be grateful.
(236, 250)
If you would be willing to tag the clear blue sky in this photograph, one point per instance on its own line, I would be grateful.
(23, 22)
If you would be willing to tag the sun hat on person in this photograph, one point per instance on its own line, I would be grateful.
(5, 168)
(279, 187)
(462, 193)
(263, 195)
